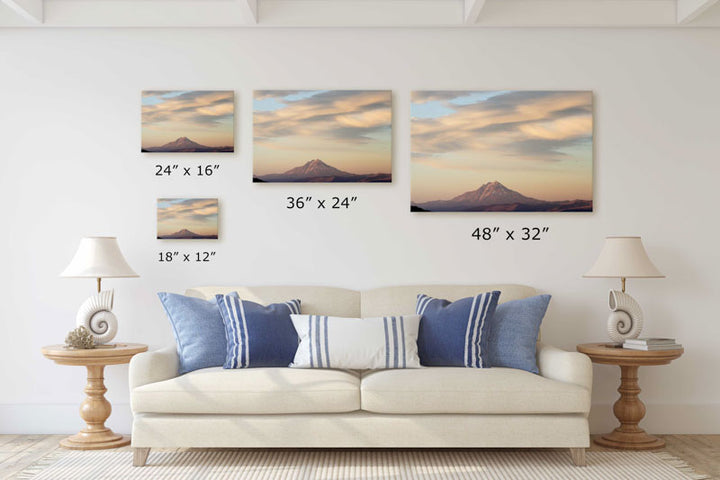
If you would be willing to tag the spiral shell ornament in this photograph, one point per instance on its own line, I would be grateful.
(626, 318)
(96, 315)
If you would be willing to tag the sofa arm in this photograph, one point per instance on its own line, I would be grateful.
(151, 367)
(564, 366)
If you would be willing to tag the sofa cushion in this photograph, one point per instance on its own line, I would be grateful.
(469, 390)
(251, 391)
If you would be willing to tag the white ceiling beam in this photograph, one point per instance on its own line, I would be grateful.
(30, 10)
(472, 10)
(359, 13)
(249, 8)
(578, 13)
(689, 10)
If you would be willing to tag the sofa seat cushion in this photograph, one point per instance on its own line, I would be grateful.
(469, 390)
(252, 391)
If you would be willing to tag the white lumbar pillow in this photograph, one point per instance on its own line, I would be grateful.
(356, 343)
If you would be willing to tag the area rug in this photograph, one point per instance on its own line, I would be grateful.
(358, 464)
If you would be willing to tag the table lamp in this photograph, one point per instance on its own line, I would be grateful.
(623, 258)
(98, 257)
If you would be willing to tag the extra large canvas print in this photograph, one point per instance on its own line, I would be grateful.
(187, 219)
(502, 151)
(182, 121)
(322, 136)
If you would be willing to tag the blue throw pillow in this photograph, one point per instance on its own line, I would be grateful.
(513, 333)
(257, 335)
(455, 334)
(199, 331)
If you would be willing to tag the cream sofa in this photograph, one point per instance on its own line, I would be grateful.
(434, 407)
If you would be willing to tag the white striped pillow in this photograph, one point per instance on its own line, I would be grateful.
(356, 343)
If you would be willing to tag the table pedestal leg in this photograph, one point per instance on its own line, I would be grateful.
(95, 409)
(629, 410)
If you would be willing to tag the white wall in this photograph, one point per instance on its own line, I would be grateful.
(70, 166)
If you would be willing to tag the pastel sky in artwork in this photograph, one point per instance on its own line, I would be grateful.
(349, 130)
(538, 143)
(199, 215)
(205, 117)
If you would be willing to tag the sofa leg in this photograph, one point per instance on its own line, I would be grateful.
(140, 456)
(578, 457)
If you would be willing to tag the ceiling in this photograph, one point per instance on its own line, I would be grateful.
(360, 13)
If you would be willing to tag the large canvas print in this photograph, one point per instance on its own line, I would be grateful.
(187, 219)
(502, 151)
(322, 136)
(181, 121)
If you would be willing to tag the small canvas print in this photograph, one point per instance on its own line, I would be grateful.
(187, 219)
(502, 151)
(322, 136)
(181, 121)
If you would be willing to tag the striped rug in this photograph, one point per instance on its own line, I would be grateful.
(358, 464)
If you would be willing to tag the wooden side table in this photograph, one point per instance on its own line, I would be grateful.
(629, 410)
(95, 409)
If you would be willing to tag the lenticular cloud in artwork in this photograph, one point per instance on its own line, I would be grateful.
(322, 136)
(188, 121)
(502, 151)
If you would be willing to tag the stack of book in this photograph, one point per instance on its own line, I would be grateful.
(651, 344)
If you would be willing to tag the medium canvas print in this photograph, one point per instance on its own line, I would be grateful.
(322, 136)
(502, 151)
(187, 219)
(182, 121)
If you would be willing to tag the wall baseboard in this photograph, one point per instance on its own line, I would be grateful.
(64, 419)
(663, 418)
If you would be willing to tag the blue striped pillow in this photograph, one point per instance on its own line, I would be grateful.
(257, 335)
(454, 334)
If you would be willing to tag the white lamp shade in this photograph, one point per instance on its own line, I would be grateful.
(98, 257)
(624, 257)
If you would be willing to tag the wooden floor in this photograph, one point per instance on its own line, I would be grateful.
(17, 452)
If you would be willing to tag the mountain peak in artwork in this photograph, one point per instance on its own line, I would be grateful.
(315, 168)
(185, 233)
(318, 171)
(493, 193)
(184, 144)
(496, 197)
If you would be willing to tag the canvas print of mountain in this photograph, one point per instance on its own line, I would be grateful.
(322, 136)
(187, 219)
(181, 121)
(502, 151)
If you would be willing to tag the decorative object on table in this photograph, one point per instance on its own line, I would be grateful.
(187, 219)
(650, 344)
(95, 409)
(629, 410)
(99, 257)
(502, 151)
(188, 121)
(322, 136)
(623, 257)
(455, 334)
(356, 343)
(96, 316)
(80, 338)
